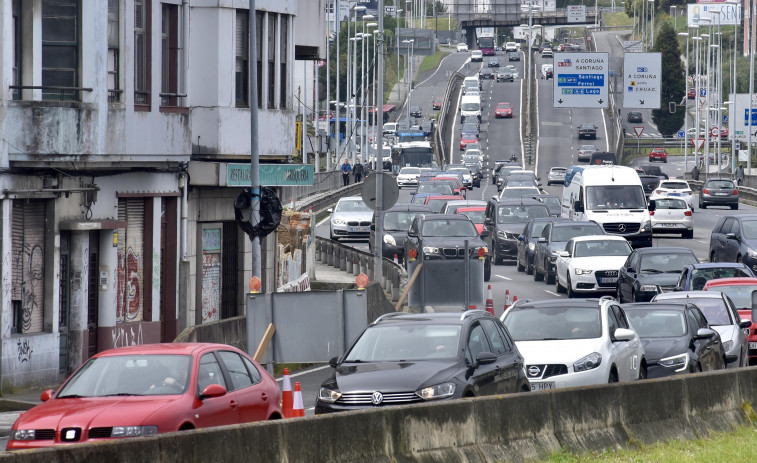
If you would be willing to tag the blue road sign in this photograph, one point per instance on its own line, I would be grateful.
(754, 116)
(702, 92)
(725, 118)
(681, 134)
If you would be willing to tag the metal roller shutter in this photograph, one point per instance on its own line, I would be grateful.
(130, 260)
(28, 242)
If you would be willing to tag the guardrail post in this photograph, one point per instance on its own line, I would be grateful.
(369, 270)
(333, 255)
(324, 252)
(356, 261)
(343, 260)
(349, 259)
(395, 283)
(317, 250)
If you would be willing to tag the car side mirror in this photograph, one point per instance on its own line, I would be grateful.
(412, 233)
(46, 395)
(485, 358)
(705, 333)
(563, 254)
(745, 324)
(578, 206)
(373, 227)
(731, 236)
(333, 362)
(538, 179)
(652, 205)
(623, 334)
(330, 210)
(484, 233)
(213, 390)
(521, 238)
(538, 184)
(542, 239)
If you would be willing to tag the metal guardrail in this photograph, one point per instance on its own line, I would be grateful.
(354, 261)
(451, 94)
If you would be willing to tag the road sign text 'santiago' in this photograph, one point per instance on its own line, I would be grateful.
(580, 80)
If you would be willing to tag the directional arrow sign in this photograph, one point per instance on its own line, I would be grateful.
(639, 130)
(580, 80)
(641, 85)
(681, 134)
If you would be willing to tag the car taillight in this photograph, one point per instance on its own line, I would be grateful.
(687, 213)
(735, 192)
(651, 212)
(705, 191)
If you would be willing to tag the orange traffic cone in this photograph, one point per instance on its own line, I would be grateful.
(298, 409)
(490, 302)
(286, 395)
(507, 299)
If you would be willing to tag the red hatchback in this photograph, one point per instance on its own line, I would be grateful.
(740, 292)
(437, 104)
(150, 389)
(503, 110)
(691, 94)
(467, 139)
(658, 154)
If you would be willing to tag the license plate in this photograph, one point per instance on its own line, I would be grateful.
(670, 225)
(722, 194)
(609, 280)
(358, 229)
(753, 345)
(542, 386)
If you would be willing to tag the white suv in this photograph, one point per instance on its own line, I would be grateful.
(408, 176)
(578, 344)
(674, 187)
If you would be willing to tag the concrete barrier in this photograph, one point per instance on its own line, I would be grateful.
(518, 427)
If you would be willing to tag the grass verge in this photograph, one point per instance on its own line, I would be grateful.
(738, 445)
(617, 19)
(432, 61)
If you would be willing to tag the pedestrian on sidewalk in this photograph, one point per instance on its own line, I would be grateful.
(740, 175)
(346, 168)
(358, 171)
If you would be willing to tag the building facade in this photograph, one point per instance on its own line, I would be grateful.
(107, 109)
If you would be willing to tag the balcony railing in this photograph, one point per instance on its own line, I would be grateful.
(172, 99)
(64, 93)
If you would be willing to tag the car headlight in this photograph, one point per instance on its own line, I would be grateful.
(580, 271)
(728, 345)
(328, 395)
(753, 254)
(440, 391)
(679, 362)
(501, 234)
(133, 431)
(430, 250)
(389, 239)
(647, 226)
(22, 434)
(589, 362)
(531, 246)
(339, 221)
(648, 289)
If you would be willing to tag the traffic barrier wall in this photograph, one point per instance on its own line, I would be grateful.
(519, 427)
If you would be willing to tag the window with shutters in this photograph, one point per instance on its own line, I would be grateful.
(142, 54)
(130, 254)
(284, 47)
(60, 49)
(28, 270)
(171, 52)
(259, 53)
(242, 83)
(272, 22)
(114, 50)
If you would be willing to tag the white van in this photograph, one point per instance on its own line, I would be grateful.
(612, 196)
(471, 83)
(470, 107)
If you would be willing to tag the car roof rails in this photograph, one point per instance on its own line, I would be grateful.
(388, 315)
(607, 298)
(468, 313)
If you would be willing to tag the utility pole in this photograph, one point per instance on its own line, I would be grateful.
(254, 153)
(379, 235)
(337, 122)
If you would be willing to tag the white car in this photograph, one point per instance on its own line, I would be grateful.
(582, 343)
(672, 215)
(674, 188)
(514, 70)
(590, 264)
(511, 46)
(476, 152)
(476, 55)
(408, 176)
(584, 152)
(462, 47)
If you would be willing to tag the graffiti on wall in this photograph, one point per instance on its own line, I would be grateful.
(123, 336)
(211, 286)
(24, 350)
(31, 286)
(129, 305)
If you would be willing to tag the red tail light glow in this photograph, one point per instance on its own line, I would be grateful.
(705, 191)
(687, 213)
(651, 212)
(735, 192)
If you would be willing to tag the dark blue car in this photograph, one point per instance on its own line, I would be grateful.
(527, 242)
(695, 276)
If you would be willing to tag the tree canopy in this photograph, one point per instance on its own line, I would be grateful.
(672, 82)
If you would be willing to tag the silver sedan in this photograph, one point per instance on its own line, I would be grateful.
(351, 218)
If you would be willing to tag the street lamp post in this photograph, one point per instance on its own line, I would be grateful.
(409, 59)
(673, 13)
(365, 37)
(530, 65)
(651, 32)
(696, 40)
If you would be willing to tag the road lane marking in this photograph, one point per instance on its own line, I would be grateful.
(551, 292)
(503, 277)
(323, 221)
(700, 241)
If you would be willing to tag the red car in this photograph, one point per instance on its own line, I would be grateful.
(658, 154)
(691, 94)
(457, 186)
(150, 389)
(476, 214)
(436, 203)
(740, 292)
(503, 110)
(437, 104)
(467, 139)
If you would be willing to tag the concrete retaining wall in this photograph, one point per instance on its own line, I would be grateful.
(519, 427)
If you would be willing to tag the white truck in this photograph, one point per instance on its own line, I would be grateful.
(613, 197)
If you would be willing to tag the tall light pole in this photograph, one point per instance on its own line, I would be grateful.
(329, 10)
(529, 62)
(379, 235)
(706, 49)
(651, 7)
(751, 86)
(353, 97)
(337, 123)
(375, 91)
(408, 71)
(697, 41)
(364, 145)
(686, 109)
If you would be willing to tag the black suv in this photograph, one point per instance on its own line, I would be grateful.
(406, 358)
(504, 222)
(442, 236)
(415, 111)
(553, 239)
(397, 221)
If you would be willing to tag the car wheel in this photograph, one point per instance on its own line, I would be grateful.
(713, 257)
(549, 278)
(688, 234)
(569, 288)
(498, 260)
(613, 377)
(702, 205)
(700, 202)
(487, 270)
(633, 296)
(537, 276)
(529, 269)
(698, 368)
(734, 206)
(519, 266)
(723, 364)
(643, 371)
(558, 287)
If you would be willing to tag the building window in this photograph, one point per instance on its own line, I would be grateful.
(16, 77)
(114, 81)
(170, 50)
(272, 20)
(259, 55)
(142, 52)
(242, 83)
(283, 46)
(60, 49)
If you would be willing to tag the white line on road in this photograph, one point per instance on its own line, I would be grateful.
(323, 221)
(504, 278)
(551, 292)
(305, 372)
(700, 241)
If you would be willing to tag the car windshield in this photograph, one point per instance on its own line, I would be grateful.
(551, 201)
(470, 106)
(666, 263)
(588, 148)
(714, 309)
(671, 204)
(558, 170)
(657, 323)
(719, 184)
(398, 221)
(601, 248)
(449, 228)
(741, 295)
(700, 276)
(469, 127)
(554, 323)
(410, 171)
(567, 232)
(394, 343)
(750, 229)
(122, 375)
(503, 106)
(520, 213)
(352, 205)
(518, 192)
(615, 197)
(469, 136)
(475, 216)
(519, 182)
(440, 188)
(436, 204)
(674, 185)
(537, 229)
